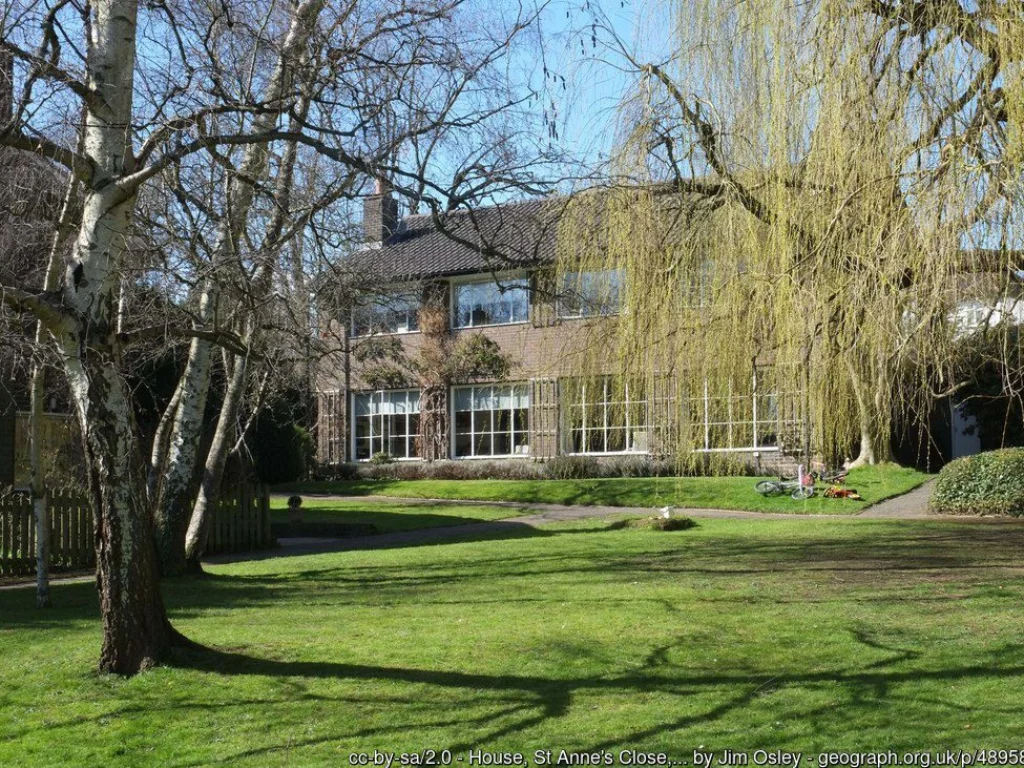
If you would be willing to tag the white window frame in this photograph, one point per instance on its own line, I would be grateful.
(496, 281)
(411, 292)
(626, 426)
(410, 439)
(755, 423)
(564, 314)
(525, 387)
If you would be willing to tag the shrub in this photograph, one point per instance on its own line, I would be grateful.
(630, 466)
(336, 472)
(379, 459)
(989, 483)
(283, 451)
(573, 468)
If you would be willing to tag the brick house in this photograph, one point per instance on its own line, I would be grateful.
(491, 273)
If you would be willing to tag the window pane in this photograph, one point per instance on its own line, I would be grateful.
(463, 422)
(616, 440)
(482, 445)
(464, 399)
(502, 444)
(363, 449)
(491, 303)
(481, 421)
(463, 445)
(520, 420)
(586, 294)
(392, 313)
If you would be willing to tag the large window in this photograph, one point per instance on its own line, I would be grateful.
(386, 422)
(589, 294)
(492, 420)
(749, 415)
(491, 303)
(391, 313)
(605, 415)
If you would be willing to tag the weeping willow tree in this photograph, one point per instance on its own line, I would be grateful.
(809, 192)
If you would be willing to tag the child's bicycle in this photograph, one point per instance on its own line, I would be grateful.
(800, 487)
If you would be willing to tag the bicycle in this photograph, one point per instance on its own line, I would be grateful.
(800, 488)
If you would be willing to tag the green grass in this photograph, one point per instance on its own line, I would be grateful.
(873, 483)
(807, 635)
(389, 516)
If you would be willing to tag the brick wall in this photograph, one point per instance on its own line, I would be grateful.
(543, 351)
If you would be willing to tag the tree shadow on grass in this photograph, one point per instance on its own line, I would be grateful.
(526, 701)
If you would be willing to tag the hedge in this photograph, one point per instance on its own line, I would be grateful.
(989, 483)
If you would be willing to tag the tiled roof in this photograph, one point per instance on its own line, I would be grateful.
(509, 236)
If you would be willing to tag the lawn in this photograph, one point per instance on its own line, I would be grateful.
(873, 483)
(389, 516)
(807, 635)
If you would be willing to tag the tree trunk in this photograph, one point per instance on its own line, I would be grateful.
(136, 633)
(174, 489)
(434, 423)
(873, 420)
(213, 471)
(38, 393)
(39, 501)
(174, 499)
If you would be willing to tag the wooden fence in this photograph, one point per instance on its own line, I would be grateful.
(71, 539)
(240, 523)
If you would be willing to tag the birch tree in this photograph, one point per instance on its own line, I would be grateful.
(213, 80)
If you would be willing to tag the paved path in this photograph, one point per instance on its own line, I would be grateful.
(910, 506)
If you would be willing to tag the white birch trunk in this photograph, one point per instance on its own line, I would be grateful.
(136, 633)
(38, 393)
(174, 499)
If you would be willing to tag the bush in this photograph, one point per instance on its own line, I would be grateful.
(379, 459)
(573, 468)
(989, 483)
(452, 470)
(336, 473)
(283, 451)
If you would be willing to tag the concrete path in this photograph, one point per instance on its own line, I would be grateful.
(909, 506)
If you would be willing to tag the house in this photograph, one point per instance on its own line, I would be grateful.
(490, 275)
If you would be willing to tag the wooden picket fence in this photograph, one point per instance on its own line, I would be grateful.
(241, 523)
(71, 539)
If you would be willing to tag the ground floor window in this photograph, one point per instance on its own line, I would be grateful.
(748, 415)
(386, 422)
(605, 415)
(491, 420)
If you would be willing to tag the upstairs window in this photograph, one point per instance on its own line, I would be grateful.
(491, 303)
(390, 313)
(696, 289)
(591, 294)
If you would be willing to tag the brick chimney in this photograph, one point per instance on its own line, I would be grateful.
(380, 214)
(6, 87)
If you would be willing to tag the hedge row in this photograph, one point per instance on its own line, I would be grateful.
(989, 483)
(557, 468)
